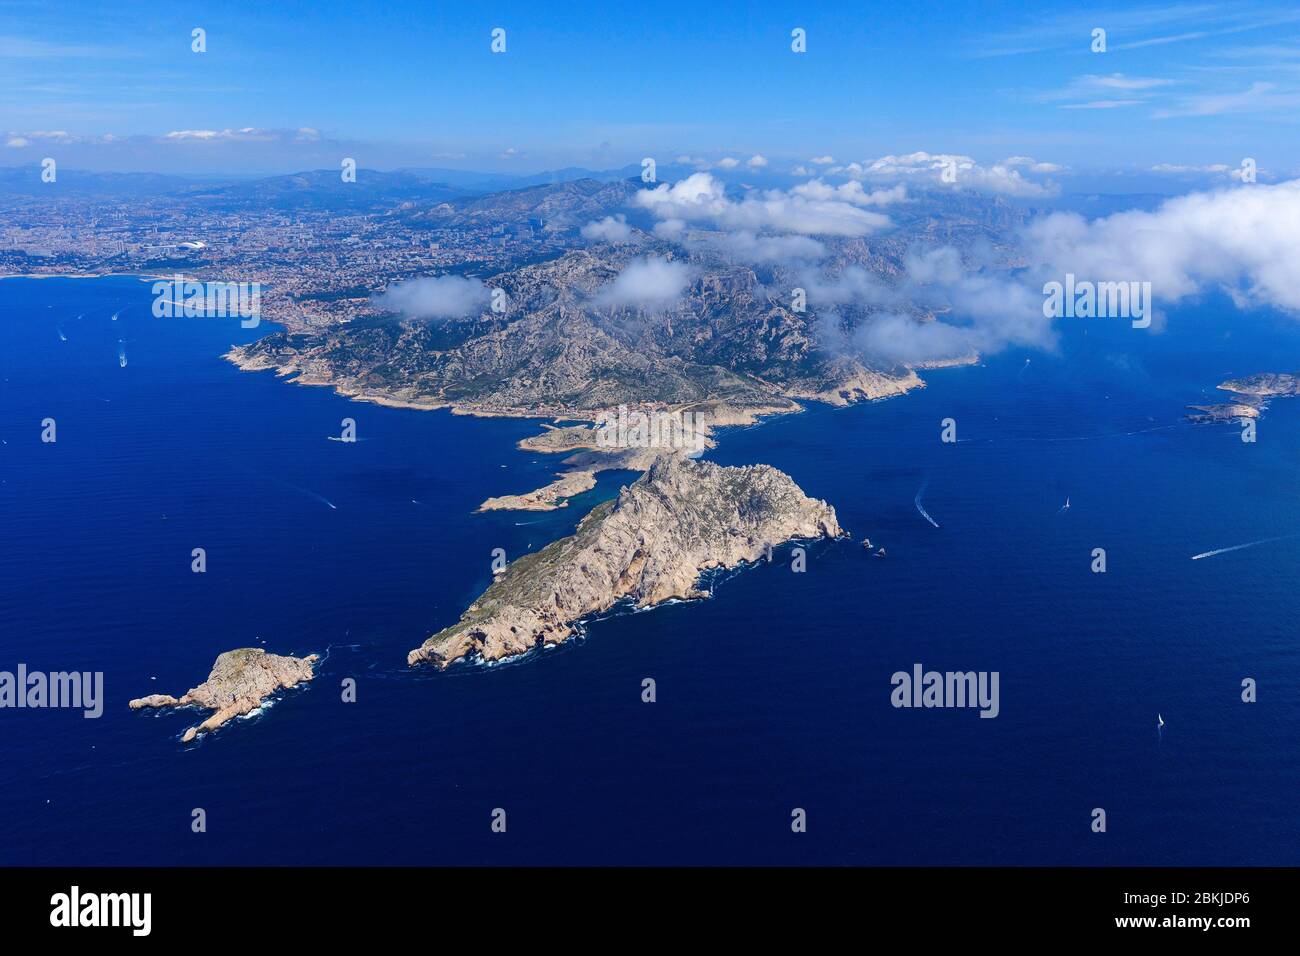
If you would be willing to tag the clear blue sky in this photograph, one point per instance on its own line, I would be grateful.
(603, 84)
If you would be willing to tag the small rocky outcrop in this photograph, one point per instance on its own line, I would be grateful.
(1225, 412)
(240, 681)
(547, 498)
(649, 545)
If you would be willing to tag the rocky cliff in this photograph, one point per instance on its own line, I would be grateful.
(649, 545)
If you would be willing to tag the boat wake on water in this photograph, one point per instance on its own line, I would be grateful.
(917, 501)
(286, 484)
(1049, 439)
(1241, 547)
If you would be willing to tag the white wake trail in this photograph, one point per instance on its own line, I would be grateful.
(917, 501)
(1239, 547)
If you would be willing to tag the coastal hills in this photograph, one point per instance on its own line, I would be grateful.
(731, 337)
(747, 326)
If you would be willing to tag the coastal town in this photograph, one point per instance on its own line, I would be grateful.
(317, 266)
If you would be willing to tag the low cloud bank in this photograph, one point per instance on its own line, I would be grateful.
(813, 212)
(646, 284)
(441, 297)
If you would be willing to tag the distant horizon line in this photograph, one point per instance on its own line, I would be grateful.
(631, 169)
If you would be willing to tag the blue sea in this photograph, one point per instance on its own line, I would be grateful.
(771, 696)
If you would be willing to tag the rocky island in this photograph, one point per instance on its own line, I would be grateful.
(547, 498)
(1224, 412)
(647, 546)
(1250, 397)
(1265, 385)
(240, 681)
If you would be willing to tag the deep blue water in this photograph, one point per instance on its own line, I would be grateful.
(773, 695)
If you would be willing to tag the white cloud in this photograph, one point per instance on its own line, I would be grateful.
(1176, 169)
(963, 171)
(757, 161)
(609, 229)
(746, 247)
(822, 160)
(1259, 98)
(245, 134)
(966, 311)
(1032, 164)
(850, 192)
(1118, 81)
(1094, 91)
(18, 139)
(904, 339)
(440, 297)
(1242, 239)
(1211, 171)
(700, 197)
(649, 284)
(1101, 105)
(728, 163)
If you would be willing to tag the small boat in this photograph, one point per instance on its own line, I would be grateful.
(866, 543)
(880, 553)
(1160, 721)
